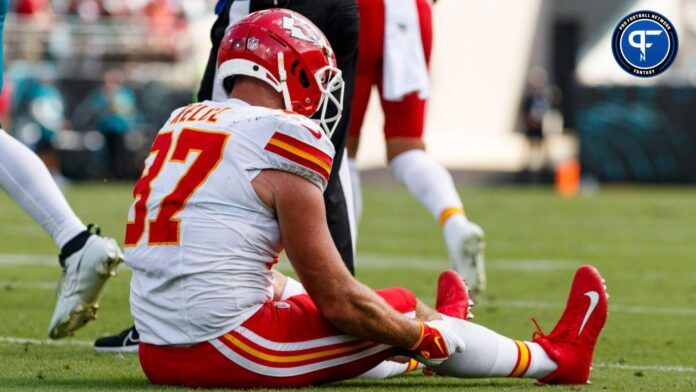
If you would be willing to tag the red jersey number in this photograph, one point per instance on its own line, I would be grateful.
(164, 229)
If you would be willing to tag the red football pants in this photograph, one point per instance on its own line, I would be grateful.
(286, 344)
(405, 118)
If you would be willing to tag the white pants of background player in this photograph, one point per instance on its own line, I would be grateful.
(26, 179)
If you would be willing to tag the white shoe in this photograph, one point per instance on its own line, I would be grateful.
(84, 275)
(466, 248)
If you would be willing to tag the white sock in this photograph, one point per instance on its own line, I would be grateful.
(428, 181)
(27, 180)
(454, 229)
(357, 190)
(433, 186)
(388, 369)
(488, 354)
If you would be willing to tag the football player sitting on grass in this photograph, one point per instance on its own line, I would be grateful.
(229, 185)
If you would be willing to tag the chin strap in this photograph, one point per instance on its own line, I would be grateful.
(283, 81)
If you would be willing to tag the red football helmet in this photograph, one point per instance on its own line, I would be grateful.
(287, 51)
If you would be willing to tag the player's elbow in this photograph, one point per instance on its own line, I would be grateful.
(337, 311)
(343, 311)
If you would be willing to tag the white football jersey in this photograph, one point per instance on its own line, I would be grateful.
(200, 241)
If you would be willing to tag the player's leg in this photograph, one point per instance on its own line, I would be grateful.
(430, 183)
(285, 344)
(28, 182)
(288, 344)
(344, 175)
(391, 368)
(487, 354)
(427, 180)
(342, 33)
(361, 97)
(338, 219)
(369, 58)
(564, 356)
(288, 287)
(88, 260)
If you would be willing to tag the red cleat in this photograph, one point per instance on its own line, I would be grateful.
(453, 296)
(572, 342)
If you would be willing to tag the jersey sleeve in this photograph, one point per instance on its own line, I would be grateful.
(298, 146)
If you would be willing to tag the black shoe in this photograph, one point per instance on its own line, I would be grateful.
(125, 342)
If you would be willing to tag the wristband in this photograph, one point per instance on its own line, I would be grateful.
(430, 344)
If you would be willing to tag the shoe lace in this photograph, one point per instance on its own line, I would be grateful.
(538, 333)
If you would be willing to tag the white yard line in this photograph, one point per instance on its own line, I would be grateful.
(21, 284)
(656, 368)
(380, 261)
(365, 260)
(26, 259)
(613, 308)
(45, 342)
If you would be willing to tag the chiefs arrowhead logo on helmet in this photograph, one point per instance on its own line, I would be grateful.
(287, 51)
(304, 31)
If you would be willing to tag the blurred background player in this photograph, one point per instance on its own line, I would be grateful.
(338, 20)
(88, 260)
(394, 53)
(111, 107)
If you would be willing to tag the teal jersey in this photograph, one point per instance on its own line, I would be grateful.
(4, 5)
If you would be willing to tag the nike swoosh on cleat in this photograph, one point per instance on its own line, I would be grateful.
(594, 299)
(129, 339)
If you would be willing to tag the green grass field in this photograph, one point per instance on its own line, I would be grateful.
(641, 239)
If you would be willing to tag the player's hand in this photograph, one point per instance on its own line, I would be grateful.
(437, 342)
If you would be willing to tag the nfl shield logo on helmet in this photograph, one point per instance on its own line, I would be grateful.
(252, 43)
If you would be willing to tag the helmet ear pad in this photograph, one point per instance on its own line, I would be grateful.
(300, 73)
(303, 89)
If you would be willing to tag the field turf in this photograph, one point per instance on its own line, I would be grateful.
(643, 240)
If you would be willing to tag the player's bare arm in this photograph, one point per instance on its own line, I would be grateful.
(348, 304)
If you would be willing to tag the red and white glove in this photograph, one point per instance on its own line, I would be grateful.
(437, 342)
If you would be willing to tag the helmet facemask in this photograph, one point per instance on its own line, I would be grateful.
(331, 84)
(329, 81)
